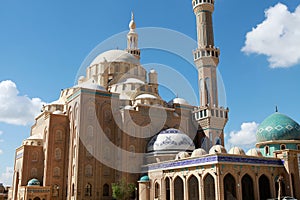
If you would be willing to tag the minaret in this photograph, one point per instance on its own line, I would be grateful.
(132, 39)
(209, 115)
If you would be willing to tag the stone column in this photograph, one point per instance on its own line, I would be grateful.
(144, 190)
(185, 188)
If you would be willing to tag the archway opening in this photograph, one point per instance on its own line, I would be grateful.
(264, 187)
(168, 189)
(209, 187)
(229, 187)
(247, 188)
(193, 186)
(178, 189)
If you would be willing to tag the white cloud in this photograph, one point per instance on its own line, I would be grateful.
(1, 151)
(7, 176)
(277, 37)
(1, 132)
(246, 137)
(16, 109)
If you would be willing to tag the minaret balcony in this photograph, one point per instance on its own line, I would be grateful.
(209, 112)
(206, 52)
(204, 4)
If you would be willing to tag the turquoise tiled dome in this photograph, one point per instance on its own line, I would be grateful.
(278, 127)
(33, 182)
(144, 178)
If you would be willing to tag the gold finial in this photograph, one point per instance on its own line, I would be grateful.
(132, 23)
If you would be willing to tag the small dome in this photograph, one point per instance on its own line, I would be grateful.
(217, 149)
(91, 86)
(236, 151)
(152, 71)
(198, 153)
(33, 182)
(171, 140)
(58, 112)
(179, 101)
(182, 155)
(115, 56)
(35, 137)
(144, 178)
(146, 96)
(278, 127)
(254, 152)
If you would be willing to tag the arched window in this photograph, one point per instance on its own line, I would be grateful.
(168, 192)
(298, 146)
(88, 190)
(282, 147)
(58, 136)
(105, 190)
(247, 188)
(57, 154)
(267, 150)
(264, 187)
(56, 171)
(88, 170)
(229, 187)
(34, 156)
(193, 188)
(209, 187)
(157, 191)
(178, 189)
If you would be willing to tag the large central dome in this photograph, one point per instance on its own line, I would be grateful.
(278, 127)
(171, 140)
(115, 56)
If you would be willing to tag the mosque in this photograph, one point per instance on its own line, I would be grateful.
(113, 125)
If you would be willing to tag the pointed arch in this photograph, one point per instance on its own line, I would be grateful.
(247, 188)
(167, 183)
(209, 187)
(229, 187)
(193, 188)
(178, 188)
(264, 187)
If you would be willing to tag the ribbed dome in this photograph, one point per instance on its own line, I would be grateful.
(33, 182)
(236, 151)
(171, 140)
(278, 127)
(115, 56)
(198, 153)
(217, 149)
(254, 152)
(182, 155)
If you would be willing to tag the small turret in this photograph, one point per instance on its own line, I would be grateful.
(132, 39)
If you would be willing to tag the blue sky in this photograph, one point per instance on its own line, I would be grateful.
(43, 44)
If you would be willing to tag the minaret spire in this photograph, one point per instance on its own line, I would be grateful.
(132, 39)
(210, 116)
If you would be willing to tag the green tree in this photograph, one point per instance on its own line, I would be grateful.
(122, 190)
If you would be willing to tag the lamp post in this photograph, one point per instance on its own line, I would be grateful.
(57, 191)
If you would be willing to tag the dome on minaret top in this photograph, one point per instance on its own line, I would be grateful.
(278, 127)
(132, 24)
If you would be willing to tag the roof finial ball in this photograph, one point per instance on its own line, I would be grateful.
(132, 25)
